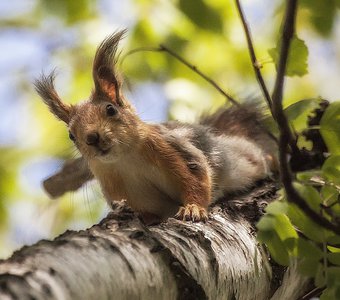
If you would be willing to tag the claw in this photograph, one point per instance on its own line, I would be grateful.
(192, 212)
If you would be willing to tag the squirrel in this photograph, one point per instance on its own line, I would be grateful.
(162, 170)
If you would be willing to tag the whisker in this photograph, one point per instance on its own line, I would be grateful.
(87, 203)
(96, 192)
(71, 200)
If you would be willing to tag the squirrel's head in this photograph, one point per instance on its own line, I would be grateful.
(105, 126)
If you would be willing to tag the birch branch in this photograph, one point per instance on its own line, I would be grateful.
(121, 258)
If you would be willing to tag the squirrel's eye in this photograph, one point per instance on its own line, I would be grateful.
(110, 110)
(71, 136)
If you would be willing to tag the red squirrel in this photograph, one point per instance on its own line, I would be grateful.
(162, 170)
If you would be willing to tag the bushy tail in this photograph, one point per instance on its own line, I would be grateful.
(242, 120)
(245, 120)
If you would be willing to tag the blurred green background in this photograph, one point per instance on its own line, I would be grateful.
(38, 35)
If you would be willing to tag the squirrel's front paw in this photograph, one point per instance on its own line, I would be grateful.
(192, 212)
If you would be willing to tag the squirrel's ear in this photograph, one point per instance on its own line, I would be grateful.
(45, 88)
(106, 80)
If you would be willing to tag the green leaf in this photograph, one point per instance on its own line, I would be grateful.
(331, 293)
(333, 249)
(277, 207)
(334, 258)
(308, 250)
(330, 127)
(307, 175)
(279, 235)
(308, 267)
(333, 274)
(266, 223)
(333, 240)
(70, 11)
(331, 168)
(322, 14)
(305, 224)
(329, 195)
(328, 294)
(320, 278)
(276, 247)
(278, 223)
(284, 227)
(297, 59)
(310, 194)
(201, 14)
(298, 112)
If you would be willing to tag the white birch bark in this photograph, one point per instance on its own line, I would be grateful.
(121, 258)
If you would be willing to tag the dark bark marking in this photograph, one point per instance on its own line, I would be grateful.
(278, 272)
(138, 234)
(46, 289)
(92, 238)
(7, 281)
(157, 248)
(188, 287)
(52, 271)
(232, 296)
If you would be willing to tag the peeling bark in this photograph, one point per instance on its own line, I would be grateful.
(121, 258)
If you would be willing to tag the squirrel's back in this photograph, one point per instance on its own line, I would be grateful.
(244, 120)
(235, 143)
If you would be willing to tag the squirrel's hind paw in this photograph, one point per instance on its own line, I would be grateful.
(192, 212)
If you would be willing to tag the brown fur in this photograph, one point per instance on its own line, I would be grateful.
(158, 169)
(45, 88)
(194, 188)
(106, 80)
(239, 121)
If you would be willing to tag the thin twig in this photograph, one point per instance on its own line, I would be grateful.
(313, 293)
(163, 48)
(194, 68)
(259, 77)
(253, 58)
(140, 49)
(285, 133)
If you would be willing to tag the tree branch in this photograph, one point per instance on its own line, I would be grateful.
(285, 132)
(121, 258)
(255, 63)
(163, 48)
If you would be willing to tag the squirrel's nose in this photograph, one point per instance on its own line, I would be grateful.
(92, 138)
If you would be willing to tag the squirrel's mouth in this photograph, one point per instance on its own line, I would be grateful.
(101, 152)
(104, 152)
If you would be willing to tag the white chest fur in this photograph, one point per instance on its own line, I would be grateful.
(143, 185)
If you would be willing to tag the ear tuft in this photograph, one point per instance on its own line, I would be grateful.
(106, 80)
(45, 88)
